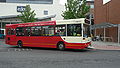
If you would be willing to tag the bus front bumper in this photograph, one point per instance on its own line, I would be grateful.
(78, 45)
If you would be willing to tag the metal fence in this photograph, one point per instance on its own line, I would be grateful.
(107, 32)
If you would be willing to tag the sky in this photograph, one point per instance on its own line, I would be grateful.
(62, 2)
(105, 1)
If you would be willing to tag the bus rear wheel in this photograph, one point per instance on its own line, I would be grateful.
(61, 46)
(20, 44)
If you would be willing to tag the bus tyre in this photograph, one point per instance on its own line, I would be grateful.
(20, 44)
(61, 46)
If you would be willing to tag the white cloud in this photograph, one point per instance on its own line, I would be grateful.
(62, 2)
(105, 1)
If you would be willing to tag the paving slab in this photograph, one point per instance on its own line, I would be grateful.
(106, 45)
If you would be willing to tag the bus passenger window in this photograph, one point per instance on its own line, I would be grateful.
(86, 30)
(39, 31)
(48, 30)
(60, 30)
(20, 31)
(51, 31)
(74, 30)
(8, 31)
(12, 31)
(34, 31)
(28, 31)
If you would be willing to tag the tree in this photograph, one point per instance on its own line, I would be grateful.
(27, 15)
(75, 9)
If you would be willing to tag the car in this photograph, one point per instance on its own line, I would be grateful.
(2, 36)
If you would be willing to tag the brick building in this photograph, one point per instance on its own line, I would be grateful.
(108, 12)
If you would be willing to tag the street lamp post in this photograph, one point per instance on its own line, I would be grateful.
(90, 19)
(118, 34)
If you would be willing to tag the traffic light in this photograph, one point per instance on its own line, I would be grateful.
(88, 21)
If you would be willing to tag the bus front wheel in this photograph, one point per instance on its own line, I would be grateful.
(20, 44)
(61, 46)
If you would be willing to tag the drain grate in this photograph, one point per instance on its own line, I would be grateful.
(15, 49)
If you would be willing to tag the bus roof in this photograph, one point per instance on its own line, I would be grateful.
(57, 22)
(71, 21)
(32, 24)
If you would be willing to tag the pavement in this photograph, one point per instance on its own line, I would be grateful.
(105, 45)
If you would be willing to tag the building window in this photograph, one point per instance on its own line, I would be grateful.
(92, 6)
(45, 12)
(2, 0)
(31, 1)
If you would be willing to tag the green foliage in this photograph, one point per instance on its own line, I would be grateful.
(27, 15)
(75, 9)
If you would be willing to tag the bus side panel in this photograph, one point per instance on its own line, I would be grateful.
(22, 38)
(43, 41)
(52, 41)
(49, 42)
